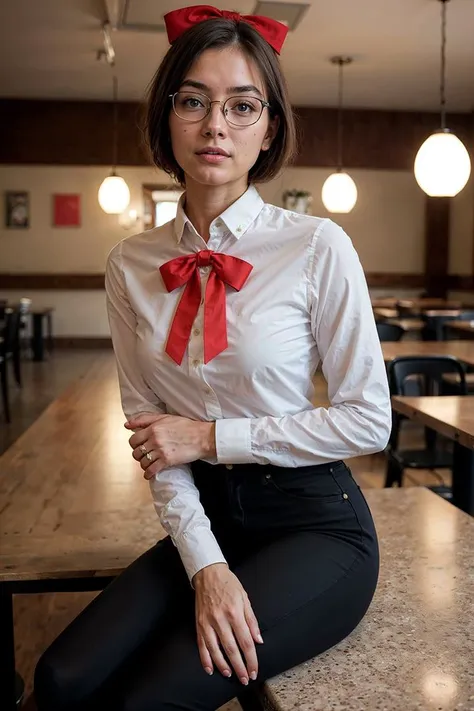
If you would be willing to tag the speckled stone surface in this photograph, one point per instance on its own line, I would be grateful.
(415, 647)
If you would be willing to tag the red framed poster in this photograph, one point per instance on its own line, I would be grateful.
(66, 210)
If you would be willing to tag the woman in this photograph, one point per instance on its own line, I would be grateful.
(219, 319)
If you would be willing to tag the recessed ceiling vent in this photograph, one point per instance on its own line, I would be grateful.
(289, 13)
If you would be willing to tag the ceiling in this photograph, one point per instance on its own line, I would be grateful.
(48, 50)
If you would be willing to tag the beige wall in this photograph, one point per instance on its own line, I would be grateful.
(386, 227)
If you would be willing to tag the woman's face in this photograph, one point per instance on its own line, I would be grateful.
(220, 74)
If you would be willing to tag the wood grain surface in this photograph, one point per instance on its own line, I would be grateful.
(451, 415)
(73, 502)
(463, 350)
(464, 326)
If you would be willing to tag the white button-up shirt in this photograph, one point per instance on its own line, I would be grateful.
(305, 301)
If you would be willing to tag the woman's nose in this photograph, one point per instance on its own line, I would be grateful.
(215, 121)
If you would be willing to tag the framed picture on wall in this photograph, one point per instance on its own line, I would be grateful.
(66, 210)
(17, 209)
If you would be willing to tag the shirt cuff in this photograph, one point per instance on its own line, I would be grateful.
(233, 441)
(198, 548)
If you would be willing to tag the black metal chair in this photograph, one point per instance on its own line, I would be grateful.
(419, 376)
(11, 340)
(389, 331)
(9, 351)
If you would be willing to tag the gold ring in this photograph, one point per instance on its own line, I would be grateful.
(143, 448)
(149, 457)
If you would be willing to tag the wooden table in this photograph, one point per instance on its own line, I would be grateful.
(453, 417)
(463, 327)
(419, 305)
(463, 350)
(408, 324)
(413, 649)
(75, 507)
(42, 325)
(385, 313)
(389, 302)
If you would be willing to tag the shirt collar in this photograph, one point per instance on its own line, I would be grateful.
(237, 218)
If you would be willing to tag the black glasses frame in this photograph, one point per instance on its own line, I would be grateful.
(265, 105)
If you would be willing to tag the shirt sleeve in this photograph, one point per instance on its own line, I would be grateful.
(175, 496)
(358, 420)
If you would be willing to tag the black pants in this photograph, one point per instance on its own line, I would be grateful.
(301, 541)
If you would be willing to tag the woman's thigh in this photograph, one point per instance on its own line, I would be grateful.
(308, 591)
(147, 597)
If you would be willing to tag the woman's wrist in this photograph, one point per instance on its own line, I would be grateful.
(208, 438)
(208, 572)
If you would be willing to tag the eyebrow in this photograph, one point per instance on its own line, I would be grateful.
(245, 89)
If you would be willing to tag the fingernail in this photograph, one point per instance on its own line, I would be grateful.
(227, 673)
(208, 670)
(244, 680)
(253, 675)
(260, 638)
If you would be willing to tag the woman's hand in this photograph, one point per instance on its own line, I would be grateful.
(162, 441)
(225, 621)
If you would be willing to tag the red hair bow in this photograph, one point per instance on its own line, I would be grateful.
(178, 21)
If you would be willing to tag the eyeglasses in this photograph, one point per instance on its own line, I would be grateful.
(237, 110)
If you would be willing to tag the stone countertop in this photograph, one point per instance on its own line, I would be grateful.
(415, 647)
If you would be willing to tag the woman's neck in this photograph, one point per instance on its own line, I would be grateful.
(204, 203)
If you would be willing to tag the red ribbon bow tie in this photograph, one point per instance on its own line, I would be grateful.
(183, 270)
(178, 21)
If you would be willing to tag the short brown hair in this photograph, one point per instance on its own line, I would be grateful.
(172, 71)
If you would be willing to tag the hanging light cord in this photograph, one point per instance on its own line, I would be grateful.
(115, 127)
(442, 88)
(339, 118)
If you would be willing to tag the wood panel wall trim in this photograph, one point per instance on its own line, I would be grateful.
(40, 132)
(84, 342)
(437, 237)
(52, 282)
(92, 282)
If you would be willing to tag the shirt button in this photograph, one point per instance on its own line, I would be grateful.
(229, 466)
(196, 362)
(208, 391)
(197, 331)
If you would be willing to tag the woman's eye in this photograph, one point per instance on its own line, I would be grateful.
(192, 103)
(243, 107)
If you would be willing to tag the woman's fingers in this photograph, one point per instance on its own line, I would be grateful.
(212, 644)
(247, 646)
(206, 659)
(252, 623)
(231, 648)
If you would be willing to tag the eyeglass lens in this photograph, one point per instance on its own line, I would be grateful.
(238, 110)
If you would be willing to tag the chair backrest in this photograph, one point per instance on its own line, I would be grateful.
(423, 375)
(389, 331)
(10, 333)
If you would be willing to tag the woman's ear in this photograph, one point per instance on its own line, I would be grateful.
(272, 131)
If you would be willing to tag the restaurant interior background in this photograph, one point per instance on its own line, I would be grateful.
(58, 136)
(73, 508)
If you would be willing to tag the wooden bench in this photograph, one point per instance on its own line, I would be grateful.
(413, 650)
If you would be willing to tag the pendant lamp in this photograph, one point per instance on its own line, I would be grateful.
(339, 192)
(114, 194)
(442, 164)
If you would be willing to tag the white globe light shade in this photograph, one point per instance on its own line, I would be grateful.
(114, 195)
(339, 193)
(442, 165)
